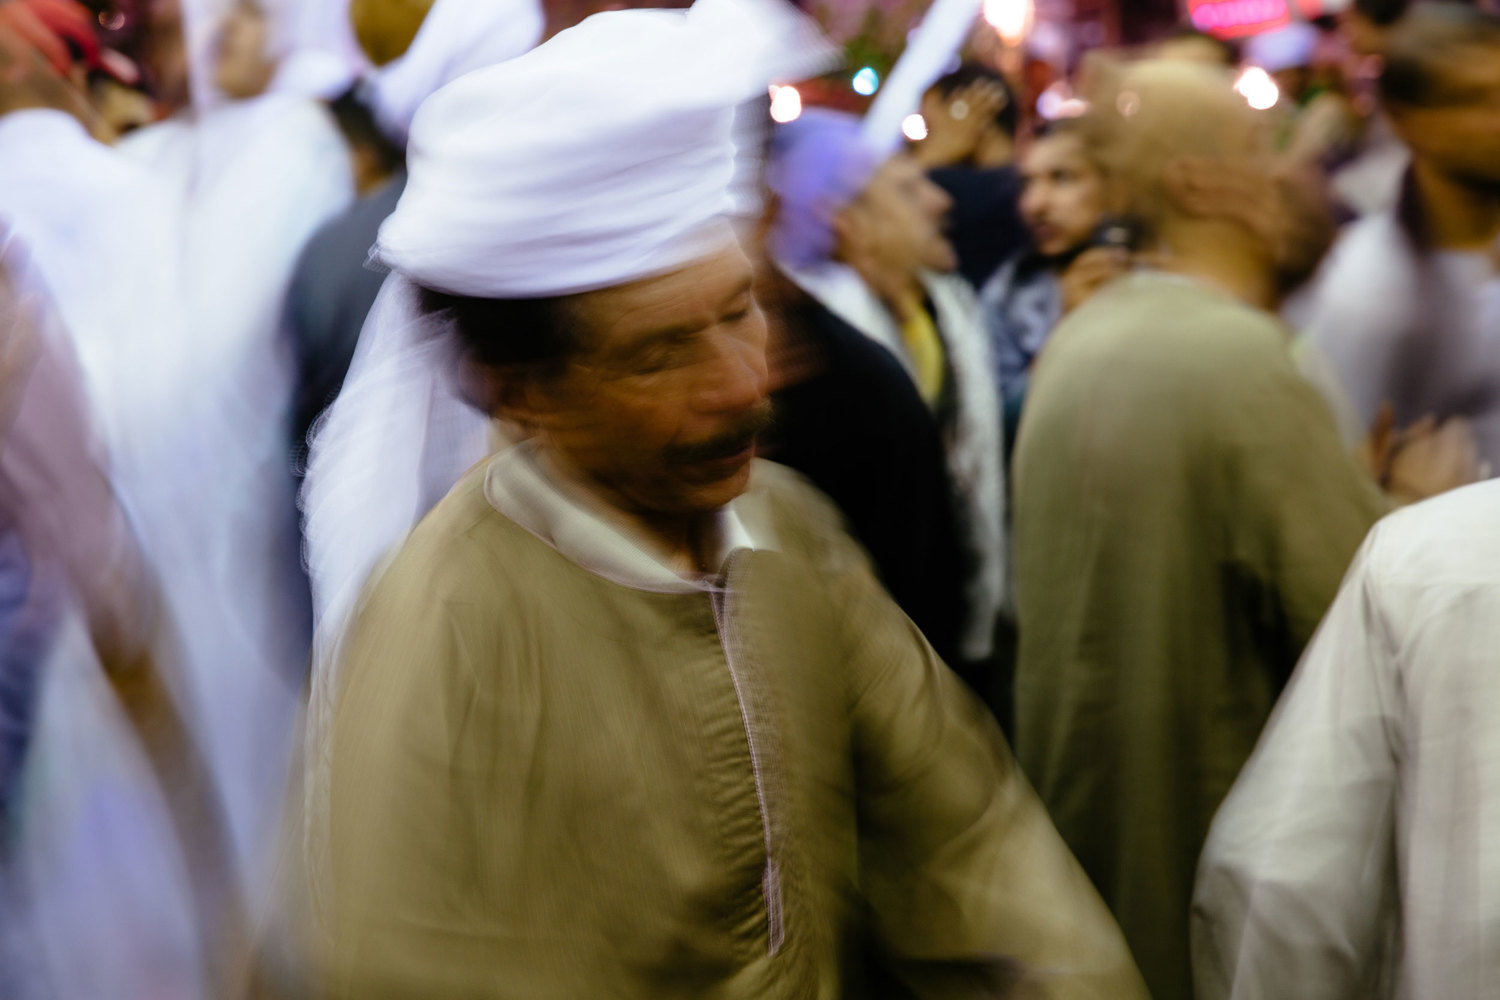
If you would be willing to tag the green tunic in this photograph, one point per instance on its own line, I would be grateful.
(1184, 512)
(546, 784)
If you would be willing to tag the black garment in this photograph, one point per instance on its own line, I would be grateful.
(985, 224)
(330, 296)
(859, 430)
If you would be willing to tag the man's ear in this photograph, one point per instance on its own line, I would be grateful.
(508, 393)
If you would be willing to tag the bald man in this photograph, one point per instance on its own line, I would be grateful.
(1184, 509)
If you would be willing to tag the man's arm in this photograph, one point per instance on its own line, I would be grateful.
(1298, 505)
(970, 887)
(61, 497)
(1297, 875)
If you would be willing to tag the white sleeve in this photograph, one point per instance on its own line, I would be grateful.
(1296, 883)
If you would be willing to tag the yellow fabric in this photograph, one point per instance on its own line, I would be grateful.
(924, 347)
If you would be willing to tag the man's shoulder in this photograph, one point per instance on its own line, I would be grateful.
(1450, 539)
(1175, 320)
(459, 548)
(798, 518)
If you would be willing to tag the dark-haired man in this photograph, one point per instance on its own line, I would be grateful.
(628, 715)
(972, 115)
(1407, 308)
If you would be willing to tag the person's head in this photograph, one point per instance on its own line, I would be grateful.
(1287, 54)
(837, 199)
(164, 52)
(375, 157)
(1187, 158)
(1063, 193)
(653, 390)
(896, 223)
(1441, 88)
(1367, 23)
(1188, 44)
(244, 66)
(1007, 116)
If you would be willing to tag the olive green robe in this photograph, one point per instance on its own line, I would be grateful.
(1184, 512)
(548, 784)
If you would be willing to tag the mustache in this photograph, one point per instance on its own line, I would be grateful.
(731, 442)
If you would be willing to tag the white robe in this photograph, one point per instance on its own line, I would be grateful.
(1417, 328)
(96, 904)
(1356, 855)
(254, 180)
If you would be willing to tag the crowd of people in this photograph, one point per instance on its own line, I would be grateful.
(491, 507)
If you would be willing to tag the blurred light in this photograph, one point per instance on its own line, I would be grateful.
(914, 127)
(866, 81)
(1236, 18)
(1057, 101)
(1011, 18)
(1128, 103)
(1257, 88)
(111, 20)
(786, 104)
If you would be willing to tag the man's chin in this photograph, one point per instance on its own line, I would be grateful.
(710, 488)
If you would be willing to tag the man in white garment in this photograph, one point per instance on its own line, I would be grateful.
(1355, 856)
(861, 234)
(628, 714)
(1407, 308)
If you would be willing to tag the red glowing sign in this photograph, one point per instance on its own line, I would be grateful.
(1237, 18)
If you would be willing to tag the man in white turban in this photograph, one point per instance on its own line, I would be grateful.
(628, 714)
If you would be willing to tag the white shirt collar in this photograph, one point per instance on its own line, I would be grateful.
(518, 486)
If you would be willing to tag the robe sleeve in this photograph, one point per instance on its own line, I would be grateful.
(1295, 879)
(971, 890)
(1298, 504)
(400, 907)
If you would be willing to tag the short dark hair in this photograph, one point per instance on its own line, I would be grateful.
(357, 124)
(1382, 13)
(505, 333)
(1422, 47)
(1008, 117)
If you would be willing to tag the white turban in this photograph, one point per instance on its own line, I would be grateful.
(457, 37)
(598, 158)
(603, 156)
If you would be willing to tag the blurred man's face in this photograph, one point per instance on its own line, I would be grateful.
(244, 68)
(166, 54)
(899, 219)
(1063, 198)
(661, 406)
(1458, 131)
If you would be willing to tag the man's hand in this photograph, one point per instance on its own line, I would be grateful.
(1090, 272)
(954, 131)
(1429, 458)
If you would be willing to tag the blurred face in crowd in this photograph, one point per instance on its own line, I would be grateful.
(1457, 128)
(897, 221)
(1063, 196)
(165, 54)
(244, 69)
(661, 402)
